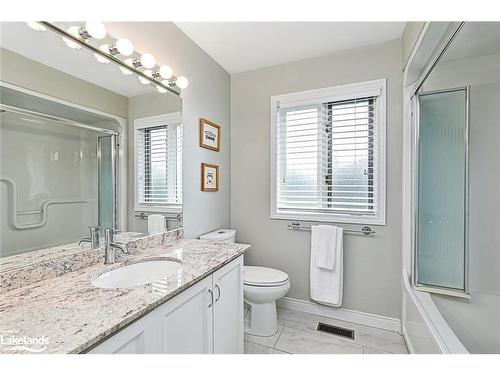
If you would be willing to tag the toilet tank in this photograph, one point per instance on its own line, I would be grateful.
(220, 235)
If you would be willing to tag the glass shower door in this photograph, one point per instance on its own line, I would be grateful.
(107, 189)
(441, 233)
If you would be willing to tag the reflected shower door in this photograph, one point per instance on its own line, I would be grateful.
(106, 154)
(441, 236)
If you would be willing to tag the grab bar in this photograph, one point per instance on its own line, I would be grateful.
(42, 211)
(366, 230)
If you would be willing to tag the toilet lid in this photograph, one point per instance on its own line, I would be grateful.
(265, 276)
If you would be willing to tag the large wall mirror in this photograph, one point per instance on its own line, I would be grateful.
(84, 141)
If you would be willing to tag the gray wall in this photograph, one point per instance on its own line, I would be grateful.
(21, 71)
(208, 95)
(372, 265)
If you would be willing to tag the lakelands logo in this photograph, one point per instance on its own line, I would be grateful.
(9, 341)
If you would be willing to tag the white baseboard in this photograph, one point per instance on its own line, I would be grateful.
(358, 317)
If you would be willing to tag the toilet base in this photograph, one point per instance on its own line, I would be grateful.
(263, 319)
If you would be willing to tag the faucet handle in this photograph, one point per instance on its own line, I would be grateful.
(94, 236)
(109, 234)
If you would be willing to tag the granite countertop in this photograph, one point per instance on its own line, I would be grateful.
(67, 314)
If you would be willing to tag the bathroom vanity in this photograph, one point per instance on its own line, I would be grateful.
(64, 157)
(196, 309)
(205, 318)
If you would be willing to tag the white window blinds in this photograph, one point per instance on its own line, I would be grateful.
(327, 160)
(159, 165)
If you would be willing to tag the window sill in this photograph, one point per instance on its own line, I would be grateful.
(329, 218)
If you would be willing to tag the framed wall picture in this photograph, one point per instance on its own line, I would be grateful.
(209, 177)
(209, 135)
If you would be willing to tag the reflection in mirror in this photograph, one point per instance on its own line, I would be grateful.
(73, 154)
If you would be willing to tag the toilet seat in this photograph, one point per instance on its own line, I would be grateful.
(263, 276)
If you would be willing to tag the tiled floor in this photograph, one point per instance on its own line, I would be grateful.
(297, 334)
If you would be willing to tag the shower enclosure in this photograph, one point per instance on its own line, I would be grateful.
(451, 249)
(58, 175)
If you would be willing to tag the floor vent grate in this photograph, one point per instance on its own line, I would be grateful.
(335, 330)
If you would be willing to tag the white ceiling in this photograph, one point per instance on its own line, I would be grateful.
(242, 46)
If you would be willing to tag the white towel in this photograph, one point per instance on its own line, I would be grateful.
(325, 239)
(326, 285)
(156, 224)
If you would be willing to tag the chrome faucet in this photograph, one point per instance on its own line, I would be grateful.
(110, 245)
(94, 238)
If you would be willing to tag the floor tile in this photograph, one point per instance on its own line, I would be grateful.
(252, 348)
(298, 320)
(368, 350)
(266, 341)
(372, 337)
(276, 351)
(302, 342)
(298, 334)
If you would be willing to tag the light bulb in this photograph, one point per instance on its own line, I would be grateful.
(36, 26)
(95, 29)
(144, 81)
(165, 71)
(182, 82)
(148, 60)
(161, 89)
(126, 71)
(104, 48)
(73, 30)
(124, 46)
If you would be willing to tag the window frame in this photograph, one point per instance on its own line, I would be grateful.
(173, 118)
(333, 94)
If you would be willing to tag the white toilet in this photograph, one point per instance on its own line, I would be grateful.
(262, 287)
(220, 235)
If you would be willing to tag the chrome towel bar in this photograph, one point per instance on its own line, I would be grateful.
(366, 230)
(144, 216)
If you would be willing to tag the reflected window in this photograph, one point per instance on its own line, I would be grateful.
(158, 163)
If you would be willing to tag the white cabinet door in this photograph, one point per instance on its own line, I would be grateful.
(185, 322)
(137, 338)
(205, 318)
(228, 308)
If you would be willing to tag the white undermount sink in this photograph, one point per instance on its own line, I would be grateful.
(139, 273)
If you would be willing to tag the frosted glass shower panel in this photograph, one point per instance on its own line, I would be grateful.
(442, 189)
(106, 147)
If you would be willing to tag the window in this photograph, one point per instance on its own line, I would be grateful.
(158, 163)
(328, 154)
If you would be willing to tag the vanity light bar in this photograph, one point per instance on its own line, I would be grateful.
(172, 84)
